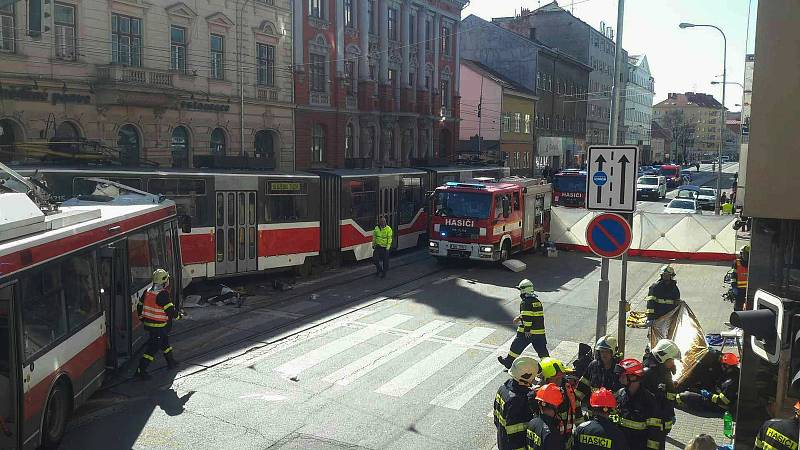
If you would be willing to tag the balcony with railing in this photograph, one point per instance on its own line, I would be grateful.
(267, 94)
(319, 98)
(138, 76)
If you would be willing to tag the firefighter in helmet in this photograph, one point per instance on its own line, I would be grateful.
(156, 311)
(660, 365)
(600, 372)
(600, 432)
(530, 329)
(663, 295)
(543, 430)
(638, 413)
(511, 410)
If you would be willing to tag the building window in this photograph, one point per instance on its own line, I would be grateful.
(65, 31)
(444, 91)
(7, 26)
(126, 40)
(412, 38)
(527, 124)
(517, 122)
(128, 144)
(349, 141)
(315, 9)
(350, 76)
(506, 123)
(180, 147)
(539, 80)
(317, 144)
(217, 142)
(217, 57)
(371, 13)
(428, 32)
(348, 13)
(317, 72)
(177, 37)
(266, 64)
(393, 83)
(264, 144)
(446, 40)
(392, 23)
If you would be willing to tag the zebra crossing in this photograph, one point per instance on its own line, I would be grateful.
(340, 346)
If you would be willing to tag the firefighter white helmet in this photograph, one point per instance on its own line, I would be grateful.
(607, 342)
(524, 370)
(666, 349)
(525, 286)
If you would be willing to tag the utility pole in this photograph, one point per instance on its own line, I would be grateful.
(480, 120)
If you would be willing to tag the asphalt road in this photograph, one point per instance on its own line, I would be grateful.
(406, 362)
(705, 177)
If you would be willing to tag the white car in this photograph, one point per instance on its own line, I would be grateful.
(681, 206)
(706, 198)
(652, 187)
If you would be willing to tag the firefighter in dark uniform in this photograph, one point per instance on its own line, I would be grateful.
(659, 366)
(511, 409)
(600, 372)
(780, 434)
(156, 311)
(543, 433)
(663, 295)
(600, 432)
(531, 329)
(637, 410)
(740, 283)
(725, 390)
(553, 371)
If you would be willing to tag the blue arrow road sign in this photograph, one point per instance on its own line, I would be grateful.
(600, 178)
(608, 235)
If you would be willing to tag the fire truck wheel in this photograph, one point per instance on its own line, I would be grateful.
(55, 416)
(505, 251)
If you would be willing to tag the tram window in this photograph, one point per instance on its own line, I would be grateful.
(231, 244)
(220, 236)
(363, 202)
(44, 319)
(410, 198)
(231, 209)
(80, 289)
(242, 214)
(287, 202)
(189, 195)
(251, 208)
(220, 209)
(251, 232)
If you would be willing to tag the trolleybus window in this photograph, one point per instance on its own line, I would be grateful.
(469, 205)
(287, 202)
(189, 195)
(7, 411)
(80, 290)
(144, 256)
(410, 198)
(44, 319)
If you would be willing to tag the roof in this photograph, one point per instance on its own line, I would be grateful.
(504, 82)
(472, 186)
(697, 99)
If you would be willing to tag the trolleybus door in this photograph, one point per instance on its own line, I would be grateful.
(117, 303)
(387, 203)
(10, 406)
(236, 232)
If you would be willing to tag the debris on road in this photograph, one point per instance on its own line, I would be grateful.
(515, 265)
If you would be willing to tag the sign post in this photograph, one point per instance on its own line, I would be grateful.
(610, 186)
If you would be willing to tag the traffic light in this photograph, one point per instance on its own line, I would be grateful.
(767, 324)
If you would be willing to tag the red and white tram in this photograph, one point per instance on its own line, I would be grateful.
(69, 280)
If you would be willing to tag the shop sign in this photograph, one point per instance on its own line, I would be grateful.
(199, 106)
(28, 94)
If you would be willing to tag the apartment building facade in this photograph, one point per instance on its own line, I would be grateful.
(694, 120)
(638, 101)
(376, 82)
(156, 83)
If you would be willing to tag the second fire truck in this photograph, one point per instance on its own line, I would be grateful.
(488, 219)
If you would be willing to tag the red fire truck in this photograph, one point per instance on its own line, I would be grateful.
(489, 219)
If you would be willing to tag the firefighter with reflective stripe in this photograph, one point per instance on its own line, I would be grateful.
(637, 411)
(156, 311)
(600, 372)
(663, 295)
(780, 434)
(725, 391)
(530, 329)
(659, 367)
(740, 283)
(543, 430)
(600, 432)
(553, 371)
(381, 243)
(511, 409)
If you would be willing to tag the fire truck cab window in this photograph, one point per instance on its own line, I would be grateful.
(287, 202)
(470, 205)
(516, 201)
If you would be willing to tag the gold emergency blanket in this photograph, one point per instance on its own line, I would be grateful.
(682, 327)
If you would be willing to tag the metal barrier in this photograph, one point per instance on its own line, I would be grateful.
(655, 235)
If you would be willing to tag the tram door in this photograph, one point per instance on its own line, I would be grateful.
(387, 203)
(236, 232)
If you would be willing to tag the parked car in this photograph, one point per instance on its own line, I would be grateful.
(651, 187)
(681, 206)
(706, 198)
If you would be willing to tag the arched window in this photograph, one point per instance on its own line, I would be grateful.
(390, 139)
(10, 135)
(265, 144)
(217, 142)
(180, 147)
(129, 145)
(349, 141)
(317, 144)
(66, 138)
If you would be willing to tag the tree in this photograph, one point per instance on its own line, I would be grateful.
(681, 131)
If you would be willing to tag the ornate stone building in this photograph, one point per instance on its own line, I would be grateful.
(376, 82)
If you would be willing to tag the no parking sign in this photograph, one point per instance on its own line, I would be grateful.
(608, 235)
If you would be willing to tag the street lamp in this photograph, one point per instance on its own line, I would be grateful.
(724, 82)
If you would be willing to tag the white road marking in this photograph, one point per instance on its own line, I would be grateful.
(266, 396)
(296, 366)
(462, 391)
(434, 362)
(383, 355)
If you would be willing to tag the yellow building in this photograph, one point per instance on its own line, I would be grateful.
(694, 121)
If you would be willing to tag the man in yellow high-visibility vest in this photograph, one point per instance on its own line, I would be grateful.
(381, 243)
